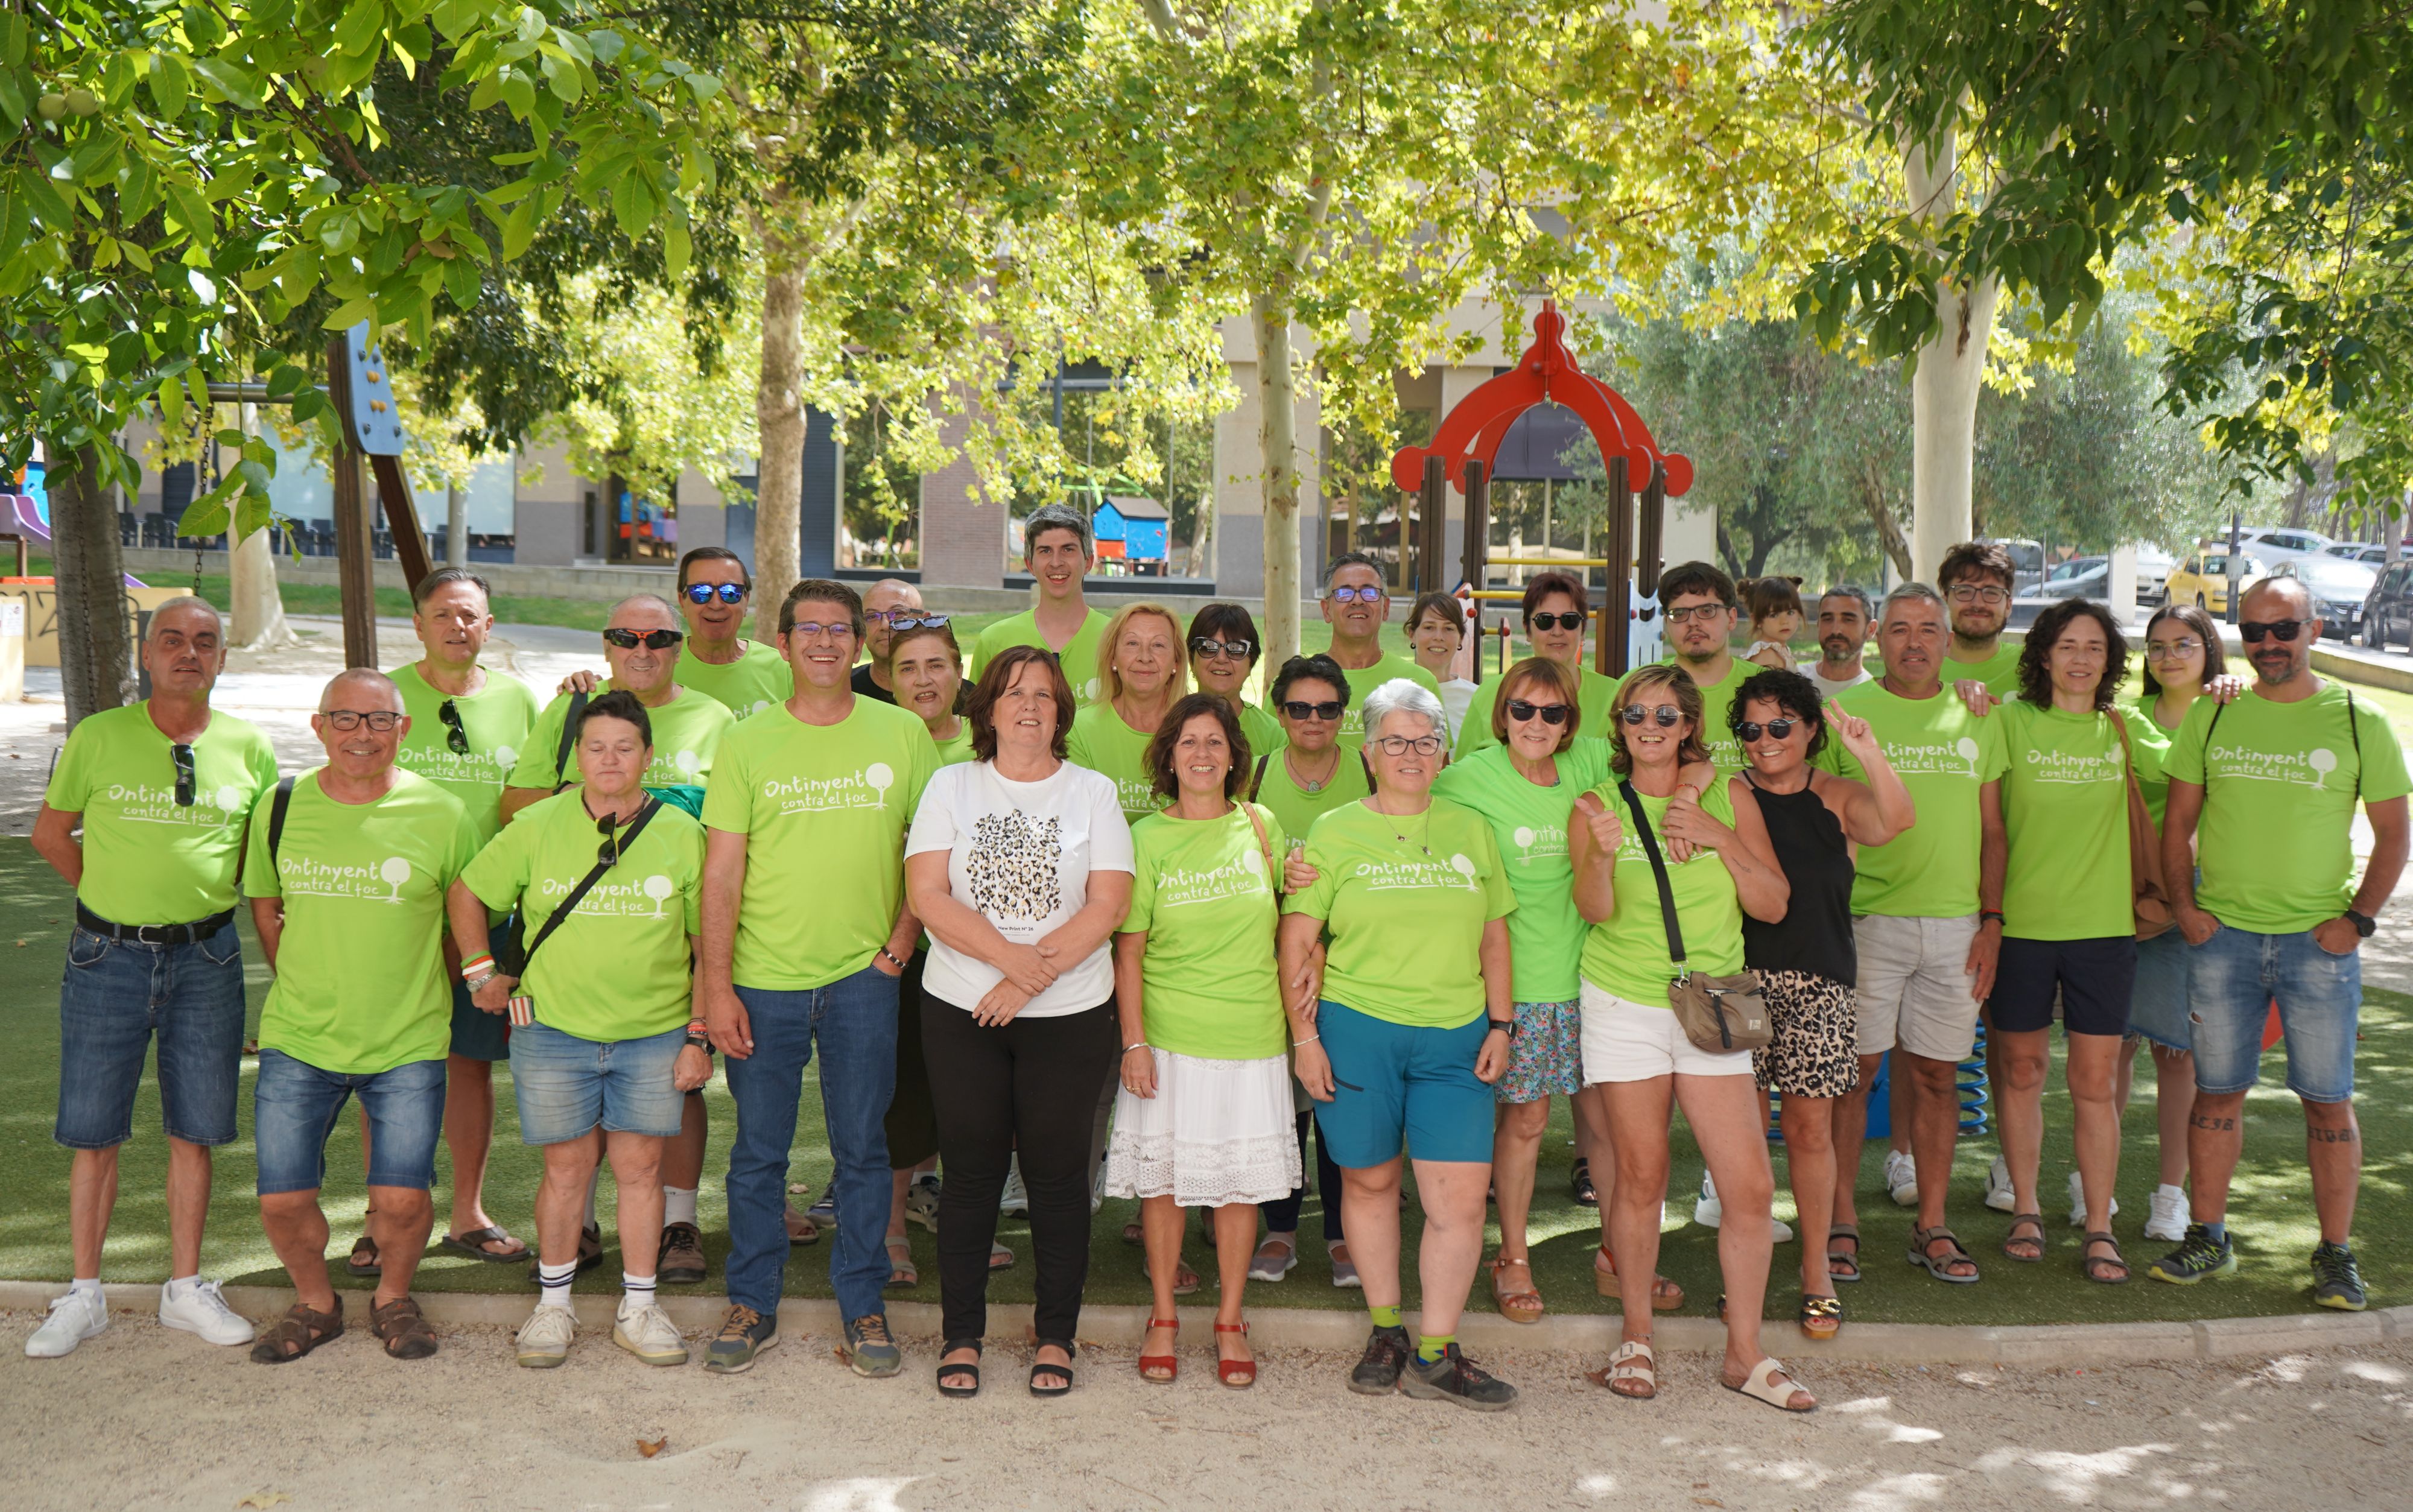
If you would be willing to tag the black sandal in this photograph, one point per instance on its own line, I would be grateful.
(1579, 1182)
(1834, 1232)
(1042, 1368)
(2096, 1266)
(298, 1332)
(971, 1368)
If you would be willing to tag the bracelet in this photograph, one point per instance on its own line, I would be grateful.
(892, 958)
(1985, 914)
(1141, 1046)
(476, 983)
(1309, 1040)
(470, 967)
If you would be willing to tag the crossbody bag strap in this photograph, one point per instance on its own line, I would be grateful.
(276, 807)
(2354, 733)
(1265, 844)
(1659, 871)
(1259, 780)
(585, 884)
(568, 739)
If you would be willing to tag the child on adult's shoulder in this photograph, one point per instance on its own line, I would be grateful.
(1775, 605)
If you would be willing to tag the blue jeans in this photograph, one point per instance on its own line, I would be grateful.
(116, 995)
(295, 1106)
(2232, 979)
(854, 1021)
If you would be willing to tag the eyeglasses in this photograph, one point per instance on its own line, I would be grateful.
(2163, 650)
(704, 593)
(1703, 612)
(1780, 729)
(379, 720)
(1668, 715)
(1971, 592)
(456, 739)
(2254, 630)
(1354, 595)
(650, 639)
(1573, 620)
(1299, 709)
(1399, 745)
(1549, 713)
(182, 757)
(1209, 646)
(813, 630)
(914, 620)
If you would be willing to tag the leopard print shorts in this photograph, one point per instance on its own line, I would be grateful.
(1815, 1051)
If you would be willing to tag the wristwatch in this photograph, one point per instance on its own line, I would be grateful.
(2363, 923)
(1506, 1026)
(701, 1042)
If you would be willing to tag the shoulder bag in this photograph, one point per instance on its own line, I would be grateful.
(2150, 902)
(1718, 1014)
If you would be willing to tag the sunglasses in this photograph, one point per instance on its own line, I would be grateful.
(704, 593)
(380, 720)
(1780, 729)
(1549, 713)
(1205, 646)
(900, 620)
(1668, 715)
(2254, 630)
(608, 853)
(650, 639)
(1298, 710)
(182, 757)
(1356, 596)
(1572, 620)
(456, 739)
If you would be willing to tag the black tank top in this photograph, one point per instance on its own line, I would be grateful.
(1815, 934)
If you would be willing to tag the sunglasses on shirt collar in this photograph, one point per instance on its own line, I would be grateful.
(456, 738)
(182, 757)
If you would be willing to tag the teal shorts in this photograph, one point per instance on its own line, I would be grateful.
(1394, 1082)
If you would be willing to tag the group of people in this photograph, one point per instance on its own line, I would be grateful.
(1068, 918)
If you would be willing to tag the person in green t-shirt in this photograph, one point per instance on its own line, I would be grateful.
(1056, 552)
(1411, 1031)
(1976, 578)
(1357, 606)
(2263, 795)
(806, 932)
(1699, 615)
(607, 1049)
(1141, 671)
(716, 593)
(1310, 773)
(1203, 1117)
(640, 641)
(1554, 612)
(161, 789)
(2069, 915)
(1223, 653)
(346, 888)
(1523, 782)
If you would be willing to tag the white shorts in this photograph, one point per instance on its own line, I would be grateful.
(1634, 1042)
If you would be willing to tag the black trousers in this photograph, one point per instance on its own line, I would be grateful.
(1282, 1214)
(1028, 1089)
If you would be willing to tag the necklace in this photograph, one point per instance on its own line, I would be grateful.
(1421, 842)
(1306, 786)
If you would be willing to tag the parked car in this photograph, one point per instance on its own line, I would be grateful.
(2081, 577)
(2203, 579)
(2275, 545)
(2388, 609)
(2338, 588)
(2362, 551)
(2027, 562)
(2153, 567)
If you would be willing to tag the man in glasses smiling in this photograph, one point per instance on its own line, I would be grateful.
(161, 789)
(642, 642)
(1976, 579)
(1699, 614)
(1357, 606)
(715, 596)
(889, 599)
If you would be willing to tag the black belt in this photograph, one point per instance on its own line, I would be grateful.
(199, 929)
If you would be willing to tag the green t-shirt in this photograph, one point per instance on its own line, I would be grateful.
(1716, 700)
(759, 678)
(2275, 842)
(824, 809)
(2065, 817)
(1297, 810)
(1200, 891)
(1627, 954)
(1944, 755)
(1365, 679)
(2152, 744)
(1599, 691)
(1101, 741)
(359, 983)
(957, 747)
(1079, 657)
(147, 859)
(617, 967)
(1264, 732)
(2000, 673)
(687, 735)
(1405, 917)
(497, 719)
(1529, 823)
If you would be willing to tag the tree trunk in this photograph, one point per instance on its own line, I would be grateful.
(779, 413)
(1277, 461)
(258, 620)
(1943, 388)
(1202, 534)
(1889, 537)
(95, 662)
(456, 528)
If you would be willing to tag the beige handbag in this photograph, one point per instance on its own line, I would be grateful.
(1718, 1014)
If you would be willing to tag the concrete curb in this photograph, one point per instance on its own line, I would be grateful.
(1325, 1328)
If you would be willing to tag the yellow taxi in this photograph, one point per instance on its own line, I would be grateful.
(2203, 579)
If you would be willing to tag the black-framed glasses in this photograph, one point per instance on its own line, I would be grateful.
(1356, 596)
(727, 592)
(1668, 715)
(1780, 729)
(914, 620)
(650, 639)
(456, 739)
(1570, 620)
(1549, 713)
(182, 757)
(1301, 709)
(1399, 745)
(1703, 612)
(380, 720)
(2254, 630)
(1209, 646)
(1971, 592)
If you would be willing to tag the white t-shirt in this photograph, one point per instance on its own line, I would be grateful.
(1831, 688)
(1020, 855)
(1456, 696)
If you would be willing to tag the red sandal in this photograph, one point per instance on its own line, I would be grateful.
(1235, 1373)
(1167, 1363)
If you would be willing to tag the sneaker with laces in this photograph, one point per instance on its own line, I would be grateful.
(648, 1333)
(2169, 1219)
(2077, 1202)
(869, 1349)
(1377, 1371)
(744, 1334)
(1999, 1193)
(824, 1211)
(2337, 1281)
(73, 1318)
(681, 1261)
(1456, 1378)
(543, 1340)
(2198, 1256)
(1902, 1179)
(1708, 1212)
(198, 1307)
(1016, 1201)
(922, 1202)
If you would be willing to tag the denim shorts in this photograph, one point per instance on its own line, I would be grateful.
(2157, 1010)
(115, 996)
(567, 1087)
(2233, 979)
(1393, 1081)
(295, 1106)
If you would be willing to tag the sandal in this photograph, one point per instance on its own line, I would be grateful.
(1579, 1183)
(999, 1257)
(1134, 1234)
(1517, 1304)
(1821, 1317)
(1665, 1295)
(2033, 1220)
(2098, 1267)
(364, 1260)
(298, 1332)
(1761, 1386)
(1939, 1265)
(1042, 1368)
(1185, 1280)
(404, 1328)
(1851, 1262)
(901, 1271)
(1236, 1373)
(1632, 1372)
(1166, 1368)
(801, 1230)
(971, 1369)
(474, 1244)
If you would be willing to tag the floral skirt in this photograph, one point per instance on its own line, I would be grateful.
(1216, 1132)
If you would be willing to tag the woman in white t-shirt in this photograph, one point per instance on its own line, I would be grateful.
(1019, 865)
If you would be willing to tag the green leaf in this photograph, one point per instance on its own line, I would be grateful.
(285, 380)
(171, 86)
(171, 402)
(232, 84)
(197, 385)
(363, 22)
(228, 437)
(676, 246)
(12, 98)
(207, 516)
(117, 81)
(12, 37)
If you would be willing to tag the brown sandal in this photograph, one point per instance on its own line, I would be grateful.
(1665, 1295)
(1517, 1304)
(363, 1260)
(2099, 1268)
(404, 1328)
(297, 1334)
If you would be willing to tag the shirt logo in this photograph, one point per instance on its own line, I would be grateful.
(2297, 768)
(623, 900)
(866, 788)
(1544, 844)
(1242, 878)
(309, 877)
(1384, 876)
(141, 804)
(1939, 759)
(442, 763)
(2068, 767)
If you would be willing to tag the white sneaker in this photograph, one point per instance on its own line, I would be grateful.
(1708, 1211)
(649, 1334)
(922, 1202)
(74, 1318)
(1016, 1201)
(543, 1339)
(1902, 1179)
(1999, 1194)
(2077, 1204)
(2169, 1216)
(202, 1309)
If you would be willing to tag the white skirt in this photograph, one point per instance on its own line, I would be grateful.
(1216, 1132)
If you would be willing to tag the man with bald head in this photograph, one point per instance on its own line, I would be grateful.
(2262, 799)
(347, 872)
(161, 789)
(640, 641)
(887, 599)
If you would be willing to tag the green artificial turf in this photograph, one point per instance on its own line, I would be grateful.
(2271, 1216)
